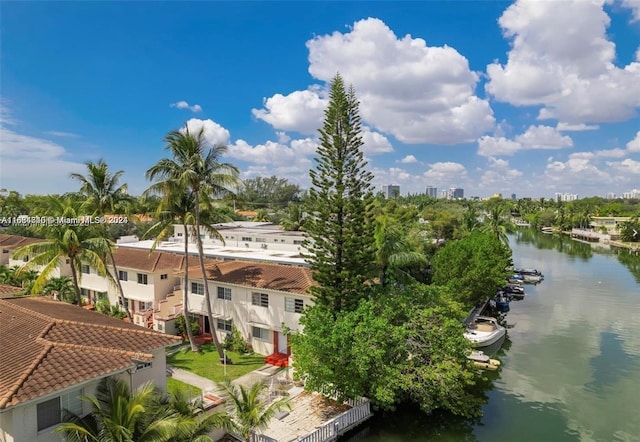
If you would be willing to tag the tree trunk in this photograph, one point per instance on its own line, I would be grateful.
(76, 285)
(207, 296)
(123, 300)
(185, 291)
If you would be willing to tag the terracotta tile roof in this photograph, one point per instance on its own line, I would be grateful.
(140, 259)
(11, 242)
(48, 345)
(8, 291)
(280, 277)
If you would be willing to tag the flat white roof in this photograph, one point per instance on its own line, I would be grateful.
(224, 252)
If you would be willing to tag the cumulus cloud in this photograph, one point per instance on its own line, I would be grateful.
(374, 142)
(300, 111)
(500, 173)
(417, 93)
(543, 137)
(578, 171)
(610, 153)
(535, 137)
(627, 166)
(561, 58)
(634, 145)
(446, 172)
(408, 159)
(184, 105)
(566, 127)
(490, 146)
(295, 154)
(634, 5)
(213, 132)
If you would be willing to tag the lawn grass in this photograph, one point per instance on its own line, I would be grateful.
(176, 385)
(207, 363)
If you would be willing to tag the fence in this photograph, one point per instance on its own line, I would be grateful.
(340, 424)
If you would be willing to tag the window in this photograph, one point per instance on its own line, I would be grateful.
(260, 333)
(102, 296)
(297, 241)
(164, 276)
(225, 325)
(142, 279)
(49, 413)
(5, 251)
(85, 269)
(179, 234)
(261, 240)
(67, 261)
(293, 305)
(260, 299)
(25, 259)
(160, 326)
(197, 288)
(141, 365)
(224, 293)
(247, 238)
(122, 275)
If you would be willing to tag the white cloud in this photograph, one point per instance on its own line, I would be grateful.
(627, 166)
(497, 163)
(184, 105)
(418, 93)
(283, 138)
(374, 142)
(566, 127)
(295, 155)
(213, 132)
(576, 172)
(300, 111)
(543, 137)
(561, 58)
(408, 159)
(499, 173)
(30, 164)
(490, 146)
(634, 145)
(634, 5)
(610, 153)
(582, 156)
(444, 173)
(56, 133)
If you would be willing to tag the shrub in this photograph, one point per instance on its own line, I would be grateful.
(180, 326)
(235, 342)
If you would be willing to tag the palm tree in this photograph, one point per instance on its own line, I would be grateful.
(496, 224)
(62, 287)
(121, 416)
(194, 422)
(177, 206)
(393, 250)
(196, 168)
(248, 408)
(78, 243)
(103, 194)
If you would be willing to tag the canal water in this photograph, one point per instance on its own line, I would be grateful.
(570, 363)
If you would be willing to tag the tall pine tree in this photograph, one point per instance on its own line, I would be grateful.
(340, 243)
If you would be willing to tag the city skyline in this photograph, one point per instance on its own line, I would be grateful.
(542, 97)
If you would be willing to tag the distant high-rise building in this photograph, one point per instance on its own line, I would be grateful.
(513, 196)
(391, 191)
(566, 197)
(634, 194)
(456, 193)
(432, 191)
(443, 194)
(611, 196)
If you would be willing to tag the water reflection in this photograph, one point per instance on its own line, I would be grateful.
(570, 362)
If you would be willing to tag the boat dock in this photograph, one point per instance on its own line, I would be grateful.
(314, 418)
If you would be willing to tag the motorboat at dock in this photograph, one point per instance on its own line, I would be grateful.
(483, 331)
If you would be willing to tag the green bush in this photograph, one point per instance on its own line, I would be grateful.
(116, 312)
(180, 326)
(103, 306)
(235, 342)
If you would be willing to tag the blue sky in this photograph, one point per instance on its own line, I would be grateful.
(529, 97)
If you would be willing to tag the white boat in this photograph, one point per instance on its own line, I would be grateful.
(484, 331)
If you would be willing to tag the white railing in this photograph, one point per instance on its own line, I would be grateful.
(340, 424)
(261, 438)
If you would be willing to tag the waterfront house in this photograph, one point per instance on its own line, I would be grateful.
(608, 224)
(262, 300)
(52, 353)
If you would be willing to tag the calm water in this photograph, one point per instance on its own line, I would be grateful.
(571, 362)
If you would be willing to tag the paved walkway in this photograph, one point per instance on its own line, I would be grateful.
(264, 373)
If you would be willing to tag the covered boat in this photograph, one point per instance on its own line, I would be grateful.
(483, 361)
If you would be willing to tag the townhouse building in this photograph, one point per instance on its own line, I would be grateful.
(53, 353)
(10, 243)
(261, 300)
(146, 278)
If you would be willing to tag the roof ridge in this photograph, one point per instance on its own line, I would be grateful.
(30, 369)
(28, 310)
(131, 353)
(155, 264)
(138, 330)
